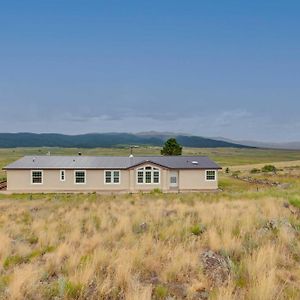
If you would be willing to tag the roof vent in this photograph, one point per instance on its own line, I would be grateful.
(74, 160)
(33, 160)
(194, 162)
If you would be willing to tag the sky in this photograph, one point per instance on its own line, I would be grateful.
(209, 68)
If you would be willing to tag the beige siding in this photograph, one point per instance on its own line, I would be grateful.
(20, 181)
(196, 180)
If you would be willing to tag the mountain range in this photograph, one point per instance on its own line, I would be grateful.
(93, 140)
(151, 138)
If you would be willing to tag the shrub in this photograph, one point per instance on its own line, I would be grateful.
(160, 292)
(26, 218)
(269, 168)
(197, 229)
(236, 173)
(38, 253)
(227, 170)
(68, 289)
(156, 191)
(4, 281)
(13, 260)
(32, 240)
(255, 171)
(73, 290)
(97, 222)
(295, 202)
(85, 259)
(51, 291)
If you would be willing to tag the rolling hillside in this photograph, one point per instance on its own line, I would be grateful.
(92, 140)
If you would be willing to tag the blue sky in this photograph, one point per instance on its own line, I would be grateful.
(211, 68)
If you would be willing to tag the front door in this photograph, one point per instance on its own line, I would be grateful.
(173, 179)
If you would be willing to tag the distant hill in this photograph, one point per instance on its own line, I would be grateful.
(256, 144)
(102, 140)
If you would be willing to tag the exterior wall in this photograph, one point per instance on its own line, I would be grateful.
(20, 181)
(196, 180)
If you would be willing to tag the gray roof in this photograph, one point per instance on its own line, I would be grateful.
(110, 162)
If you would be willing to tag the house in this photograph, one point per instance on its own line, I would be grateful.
(111, 174)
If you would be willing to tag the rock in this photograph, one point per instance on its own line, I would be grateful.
(177, 290)
(262, 231)
(284, 186)
(140, 228)
(286, 205)
(202, 295)
(272, 225)
(144, 227)
(34, 209)
(151, 278)
(257, 181)
(90, 290)
(154, 280)
(275, 225)
(216, 267)
(293, 210)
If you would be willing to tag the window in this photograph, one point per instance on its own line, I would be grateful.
(140, 177)
(155, 176)
(173, 179)
(80, 177)
(116, 177)
(107, 176)
(36, 177)
(62, 175)
(148, 175)
(210, 175)
(112, 177)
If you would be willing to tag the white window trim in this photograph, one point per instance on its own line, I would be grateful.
(144, 176)
(210, 179)
(112, 177)
(84, 177)
(34, 183)
(60, 173)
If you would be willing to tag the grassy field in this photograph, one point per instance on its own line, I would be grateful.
(151, 246)
(240, 243)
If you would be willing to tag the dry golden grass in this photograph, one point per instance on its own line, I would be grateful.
(145, 247)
